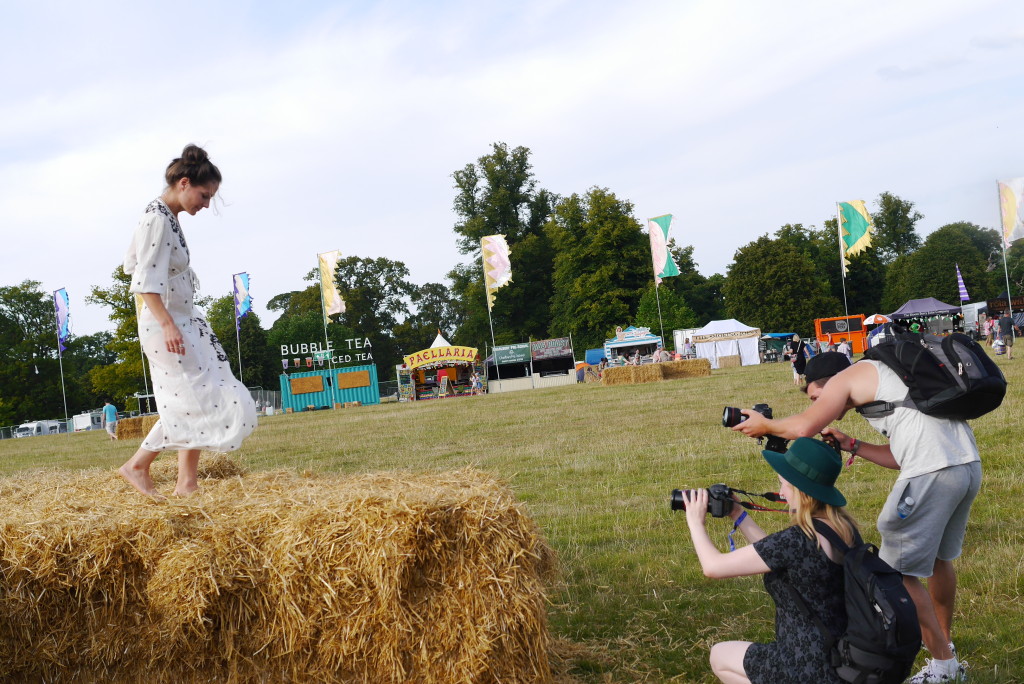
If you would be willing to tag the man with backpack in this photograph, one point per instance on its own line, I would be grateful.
(925, 516)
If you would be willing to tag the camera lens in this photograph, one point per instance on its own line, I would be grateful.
(731, 417)
(677, 502)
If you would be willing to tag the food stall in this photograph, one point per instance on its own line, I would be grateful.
(441, 370)
(321, 389)
(627, 342)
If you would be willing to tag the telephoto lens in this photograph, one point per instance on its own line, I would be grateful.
(677, 503)
(731, 417)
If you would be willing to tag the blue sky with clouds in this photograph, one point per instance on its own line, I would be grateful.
(339, 124)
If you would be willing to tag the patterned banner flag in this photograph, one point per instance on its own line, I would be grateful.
(60, 304)
(333, 303)
(664, 265)
(243, 302)
(964, 297)
(497, 266)
(1011, 209)
(855, 229)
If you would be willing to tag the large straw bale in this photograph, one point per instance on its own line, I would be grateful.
(686, 368)
(135, 428)
(731, 361)
(650, 372)
(617, 375)
(271, 577)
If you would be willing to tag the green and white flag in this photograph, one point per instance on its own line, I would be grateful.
(664, 266)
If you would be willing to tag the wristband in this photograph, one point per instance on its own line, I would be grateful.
(854, 447)
(735, 525)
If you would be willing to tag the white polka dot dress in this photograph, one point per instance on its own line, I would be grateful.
(201, 404)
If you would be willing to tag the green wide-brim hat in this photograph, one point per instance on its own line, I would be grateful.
(811, 466)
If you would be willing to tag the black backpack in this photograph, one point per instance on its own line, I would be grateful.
(946, 377)
(882, 635)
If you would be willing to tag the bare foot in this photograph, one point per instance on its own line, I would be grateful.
(185, 492)
(141, 480)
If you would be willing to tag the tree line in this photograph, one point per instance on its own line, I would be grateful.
(581, 266)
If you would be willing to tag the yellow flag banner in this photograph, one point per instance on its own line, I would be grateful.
(333, 303)
(497, 266)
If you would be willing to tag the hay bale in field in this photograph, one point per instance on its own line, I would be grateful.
(271, 577)
(650, 372)
(135, 428)
(618, 375)
(732, 361)
(686, 368)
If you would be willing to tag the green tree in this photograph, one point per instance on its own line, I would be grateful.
(434, 313)
(702, 294)
(675, 314)
(30, 383)
(895, 224)
(932, 268)
(602, 266)
(122, 379)
(898, 286)
(773, 285)
(259, 366)
(498, 195)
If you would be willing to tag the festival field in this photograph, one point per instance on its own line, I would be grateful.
(594, 466)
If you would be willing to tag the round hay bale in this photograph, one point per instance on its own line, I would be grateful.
(272, 577)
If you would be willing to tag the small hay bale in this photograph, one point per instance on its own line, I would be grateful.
(686, 368)
(619, 375)
(650, 372)
(271, 577)
(135, 428)
(732, 361)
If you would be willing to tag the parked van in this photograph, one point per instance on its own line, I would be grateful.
(90, 420)
(38, 427)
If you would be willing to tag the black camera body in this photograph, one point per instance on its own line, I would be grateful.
(731, 417)
(720, 501)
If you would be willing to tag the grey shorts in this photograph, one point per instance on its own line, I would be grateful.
(934, 529)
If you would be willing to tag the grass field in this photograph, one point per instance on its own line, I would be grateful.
(595, 465)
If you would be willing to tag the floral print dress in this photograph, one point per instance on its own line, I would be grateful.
(201, 403)
(798, 653)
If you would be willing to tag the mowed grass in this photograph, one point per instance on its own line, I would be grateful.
(594, 466)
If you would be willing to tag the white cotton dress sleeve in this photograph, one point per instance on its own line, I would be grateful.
(201, 403)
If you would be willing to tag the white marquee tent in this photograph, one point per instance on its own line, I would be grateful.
(727, 338)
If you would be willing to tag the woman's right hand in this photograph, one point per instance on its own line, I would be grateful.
(696, 506)
(173, 339)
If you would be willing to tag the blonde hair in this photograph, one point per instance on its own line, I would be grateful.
(807, 508)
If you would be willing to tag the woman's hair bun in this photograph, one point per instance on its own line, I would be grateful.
(193, 164)
(194, 155)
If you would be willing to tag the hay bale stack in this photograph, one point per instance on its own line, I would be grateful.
(686, 368)
(135, 428)
(271, 577)
(617, 375)
(650, 372)
(732, 361)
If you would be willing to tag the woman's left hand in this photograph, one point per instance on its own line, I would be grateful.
(696, 506)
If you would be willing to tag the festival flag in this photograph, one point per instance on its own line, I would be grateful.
(855, 229)
(497, 266)
(333, 303)
(964, 297)
(60, 304)
(1011, 209)
(243, 302)
(664, 265)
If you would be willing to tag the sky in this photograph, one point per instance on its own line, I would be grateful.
(338, 125)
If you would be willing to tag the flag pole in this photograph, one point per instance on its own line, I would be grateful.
(238, 326)
(327, 342)
(60, 360)
(842, 256)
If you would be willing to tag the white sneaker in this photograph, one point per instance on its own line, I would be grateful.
(930, 674)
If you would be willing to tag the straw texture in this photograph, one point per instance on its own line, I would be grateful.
(686, 368)
(135, 428)
(271, 577)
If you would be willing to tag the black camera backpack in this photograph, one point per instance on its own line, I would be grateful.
(882, 635)
(946, 377)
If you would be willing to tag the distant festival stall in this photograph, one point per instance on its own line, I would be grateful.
(629, 341)
(321, 389)
(441, 370)
(728, 343)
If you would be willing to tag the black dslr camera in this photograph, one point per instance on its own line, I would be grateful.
(731, 417)
(720, 501)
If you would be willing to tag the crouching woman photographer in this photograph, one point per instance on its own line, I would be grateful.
(797, 556)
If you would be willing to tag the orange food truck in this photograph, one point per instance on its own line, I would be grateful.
(833, 330)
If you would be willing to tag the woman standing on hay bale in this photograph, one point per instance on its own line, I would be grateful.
(798, 558)
(201, 404)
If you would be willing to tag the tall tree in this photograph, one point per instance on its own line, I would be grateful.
(773, 285)
(674, 313)
(602, 266)
(702, 294)
(895, 224)
(260, 368)
(120, 380)
(30, 384)
(498, 195)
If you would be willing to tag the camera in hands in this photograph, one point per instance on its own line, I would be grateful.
(731, 417)
(720, 501)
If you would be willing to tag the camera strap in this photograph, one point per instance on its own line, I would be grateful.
(770, 496)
